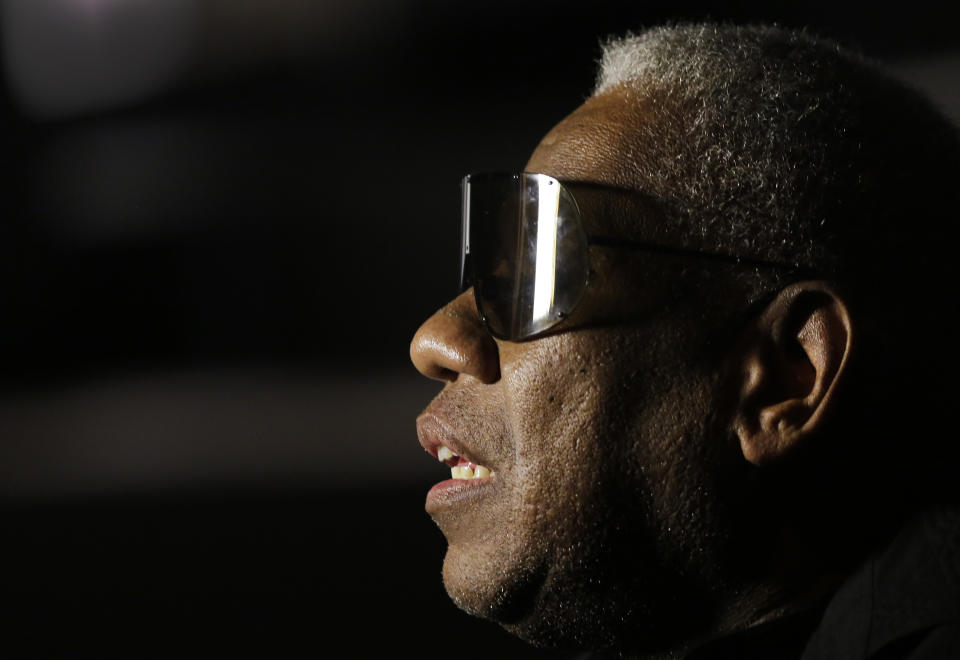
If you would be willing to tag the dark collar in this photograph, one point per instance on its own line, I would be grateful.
(784, 638)
(910, 586)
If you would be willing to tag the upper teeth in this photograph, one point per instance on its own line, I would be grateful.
(464, 469)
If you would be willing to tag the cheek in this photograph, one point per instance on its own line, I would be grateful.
(603, 414)
(557, 405)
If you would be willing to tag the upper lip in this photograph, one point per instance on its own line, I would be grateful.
(434, 433)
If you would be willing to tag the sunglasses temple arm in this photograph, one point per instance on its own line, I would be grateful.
(607, 241)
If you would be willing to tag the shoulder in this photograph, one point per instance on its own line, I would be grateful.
(903, 602)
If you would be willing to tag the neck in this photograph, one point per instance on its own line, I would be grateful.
(781, 608)
(760, 618)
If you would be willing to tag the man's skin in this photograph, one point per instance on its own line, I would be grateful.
(625, 510)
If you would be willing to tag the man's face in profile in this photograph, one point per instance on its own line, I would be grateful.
(598, 513)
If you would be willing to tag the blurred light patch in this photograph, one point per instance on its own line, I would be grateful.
(69, 57)
(936, 75)
(162, 431)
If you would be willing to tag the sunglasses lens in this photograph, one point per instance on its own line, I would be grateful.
(528, 251)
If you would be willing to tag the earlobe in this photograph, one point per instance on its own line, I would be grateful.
(796, 355)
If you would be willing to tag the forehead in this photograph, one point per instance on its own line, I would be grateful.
(599, 142)
(602, 142)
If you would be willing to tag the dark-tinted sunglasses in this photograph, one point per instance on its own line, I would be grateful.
(524, 249)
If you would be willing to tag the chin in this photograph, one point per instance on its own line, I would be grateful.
(482, 584)
(571, 603)
(542, 606)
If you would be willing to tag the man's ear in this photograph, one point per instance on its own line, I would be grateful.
(795, 355)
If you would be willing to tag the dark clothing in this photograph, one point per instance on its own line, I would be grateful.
(903, 603)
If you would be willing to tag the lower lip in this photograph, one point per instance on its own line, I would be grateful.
(451, 491)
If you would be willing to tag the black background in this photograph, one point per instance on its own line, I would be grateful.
(282, 216)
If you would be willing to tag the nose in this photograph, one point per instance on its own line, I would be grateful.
(454, 341)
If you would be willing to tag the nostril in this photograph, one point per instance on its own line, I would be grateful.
(431, 358)
(450, 344)
(444, 374)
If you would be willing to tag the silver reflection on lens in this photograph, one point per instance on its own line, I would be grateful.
(523, 237)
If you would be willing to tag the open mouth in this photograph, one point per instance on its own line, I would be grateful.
(460, 467)
(439, 442)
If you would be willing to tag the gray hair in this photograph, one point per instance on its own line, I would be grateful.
(776, 144)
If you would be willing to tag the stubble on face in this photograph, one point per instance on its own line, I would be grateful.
(597, 527)
(600, 525)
